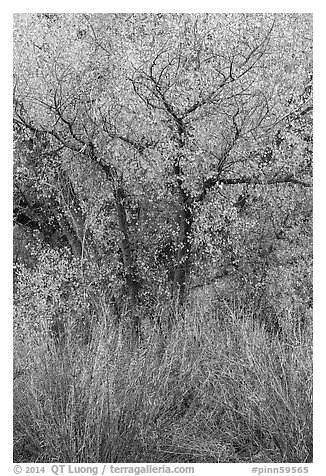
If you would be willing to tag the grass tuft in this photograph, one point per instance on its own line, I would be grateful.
(218, 387)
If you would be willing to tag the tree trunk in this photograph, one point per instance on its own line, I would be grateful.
(132, 280)
(183, 267)
(185, 221)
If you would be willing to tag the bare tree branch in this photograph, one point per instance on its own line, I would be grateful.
(212, 181)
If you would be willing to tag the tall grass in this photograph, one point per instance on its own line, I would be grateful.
(217, 388)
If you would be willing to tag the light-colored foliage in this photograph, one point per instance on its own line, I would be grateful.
(163, 252)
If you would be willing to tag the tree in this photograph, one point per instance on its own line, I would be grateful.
(154, 122)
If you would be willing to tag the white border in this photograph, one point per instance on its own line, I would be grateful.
(319, 194)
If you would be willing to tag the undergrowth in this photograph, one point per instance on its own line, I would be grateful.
(218, 387)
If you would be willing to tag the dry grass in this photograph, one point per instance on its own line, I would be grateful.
(218, 388)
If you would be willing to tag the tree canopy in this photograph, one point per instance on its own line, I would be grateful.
(163, 152)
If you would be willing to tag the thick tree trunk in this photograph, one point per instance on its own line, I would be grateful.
(185, 222)
(183, 267)
(132, 280)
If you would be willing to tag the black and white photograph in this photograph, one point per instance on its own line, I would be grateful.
(162, 239)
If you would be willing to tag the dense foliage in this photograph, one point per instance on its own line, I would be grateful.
(160, 158)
